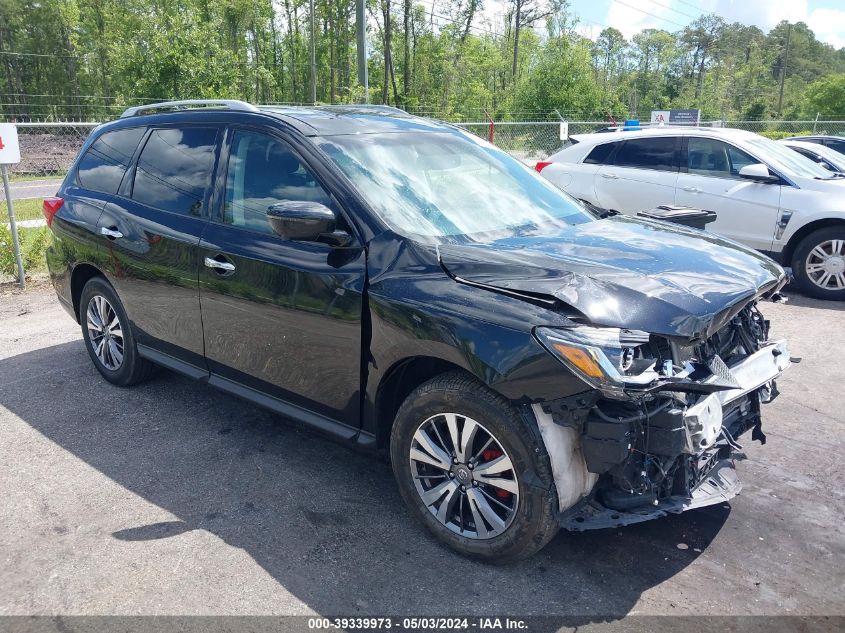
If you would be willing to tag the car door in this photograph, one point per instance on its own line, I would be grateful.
(640, 175)
(746, 210)
(151, 233)
(280, 317)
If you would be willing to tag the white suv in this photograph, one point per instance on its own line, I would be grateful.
(764, 194)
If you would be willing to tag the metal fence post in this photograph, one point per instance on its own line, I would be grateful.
(13, 227)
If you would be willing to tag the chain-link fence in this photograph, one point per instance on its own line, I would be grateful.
(47, 149)
(531, 141)
(783, 129)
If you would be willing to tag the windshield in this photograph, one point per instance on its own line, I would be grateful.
(830, 155)
(784, 159)
(447, 184)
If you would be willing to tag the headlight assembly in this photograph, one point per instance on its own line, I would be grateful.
(607, 359)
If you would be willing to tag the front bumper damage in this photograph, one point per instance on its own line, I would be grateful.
(680, 456)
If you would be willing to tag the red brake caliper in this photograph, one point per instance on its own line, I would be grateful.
(488, 456)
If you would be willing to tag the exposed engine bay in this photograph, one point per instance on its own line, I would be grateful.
(663, 439)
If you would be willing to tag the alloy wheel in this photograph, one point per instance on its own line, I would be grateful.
(105, 333)
(464, 476)
(825, 265)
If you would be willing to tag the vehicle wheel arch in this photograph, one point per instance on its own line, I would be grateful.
(804, 231)
(81, 275)
(400, 380)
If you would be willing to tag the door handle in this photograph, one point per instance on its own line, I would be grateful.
(692, 189)
(217, 265)
(111, 233)
(610, 176)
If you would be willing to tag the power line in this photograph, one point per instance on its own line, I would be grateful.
(631, 6)
(666, 6)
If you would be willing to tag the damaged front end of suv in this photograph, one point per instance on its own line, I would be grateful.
(662, 327)
(663, 421)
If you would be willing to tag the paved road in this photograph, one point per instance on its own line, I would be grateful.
(172, 498)
(32, 188)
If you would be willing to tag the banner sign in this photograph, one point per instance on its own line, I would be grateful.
(9, 150)
(678, 117)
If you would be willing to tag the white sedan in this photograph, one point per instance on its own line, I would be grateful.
(764, 194)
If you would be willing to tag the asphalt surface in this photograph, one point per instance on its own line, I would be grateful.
(32, 188)
(172, 498)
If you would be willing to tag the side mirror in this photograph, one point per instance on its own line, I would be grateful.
(306, 221)
(758, 172)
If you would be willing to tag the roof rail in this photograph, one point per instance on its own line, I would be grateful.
(375, 107)
(230, 104)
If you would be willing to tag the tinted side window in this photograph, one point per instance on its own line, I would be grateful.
(648, 153)
(600, 154)
(806, 152)
(709, 157)
(174, 169)
(103, 165)
(263, 171)
(838, 145)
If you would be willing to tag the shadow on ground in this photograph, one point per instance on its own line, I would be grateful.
(327, 523)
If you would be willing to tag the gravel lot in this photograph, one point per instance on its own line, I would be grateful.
(172, 498)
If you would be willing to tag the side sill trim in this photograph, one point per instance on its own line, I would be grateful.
(286, 409)
(362, 439)
(165, 360)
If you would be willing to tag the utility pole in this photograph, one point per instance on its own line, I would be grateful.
(783, 69)
(361, 38)
(313, 60)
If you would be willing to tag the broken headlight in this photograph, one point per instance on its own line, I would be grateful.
(607, 359)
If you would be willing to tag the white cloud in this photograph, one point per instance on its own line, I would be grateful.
(828, 25)
(632, 16)
(630, 20)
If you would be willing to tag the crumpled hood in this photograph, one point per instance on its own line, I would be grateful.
(624, 272)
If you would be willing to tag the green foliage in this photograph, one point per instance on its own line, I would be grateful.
(776, 135)
(89, 59)
(33, 244)
(28, 209)
(826, 96)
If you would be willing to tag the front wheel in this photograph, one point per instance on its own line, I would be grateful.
(819, 264)
(472, 469)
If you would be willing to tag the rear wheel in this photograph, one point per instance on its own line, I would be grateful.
(473, 470)
(819, 264)
(108, 336)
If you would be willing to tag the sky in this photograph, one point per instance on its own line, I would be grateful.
(826, 18)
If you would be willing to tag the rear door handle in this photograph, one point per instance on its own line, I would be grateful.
(610, 176)
(218, 265)
(692, 189)
(111, 233)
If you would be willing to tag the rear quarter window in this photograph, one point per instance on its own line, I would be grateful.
(105, 162)
(600, 154)
(648, 153)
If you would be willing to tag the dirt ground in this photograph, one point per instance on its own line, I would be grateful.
(172, 498)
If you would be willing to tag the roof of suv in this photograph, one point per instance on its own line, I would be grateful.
(308, 120)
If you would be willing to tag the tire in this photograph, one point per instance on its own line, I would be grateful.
(526, 521)
(118, 360)
(809, 266)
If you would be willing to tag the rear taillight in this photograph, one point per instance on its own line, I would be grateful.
(50, 208)
(542, 165)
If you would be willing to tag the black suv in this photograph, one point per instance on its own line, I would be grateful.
(407, 288)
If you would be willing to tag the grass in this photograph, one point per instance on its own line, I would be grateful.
(29, 209)
(27, 177)
(33, 243)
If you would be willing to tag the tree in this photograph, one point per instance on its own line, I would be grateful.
(826, 97)
(525, 13)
